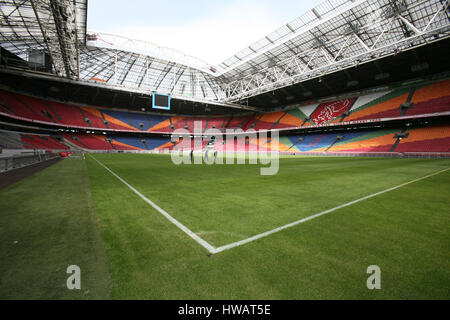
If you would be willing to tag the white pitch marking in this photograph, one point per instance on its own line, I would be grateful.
(191, 234)
(267, 233)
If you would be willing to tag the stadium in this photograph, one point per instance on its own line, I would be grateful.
(312, 164)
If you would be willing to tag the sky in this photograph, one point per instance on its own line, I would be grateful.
(210, 30)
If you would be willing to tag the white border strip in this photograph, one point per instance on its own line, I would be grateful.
(191, 234)
(211, 249)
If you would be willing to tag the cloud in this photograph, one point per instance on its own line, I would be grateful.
(212, 39)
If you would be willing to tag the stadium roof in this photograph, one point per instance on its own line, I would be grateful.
(123, 62)
(333, 36)
(56, 26)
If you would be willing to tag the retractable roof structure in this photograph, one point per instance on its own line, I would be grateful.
(335, 35)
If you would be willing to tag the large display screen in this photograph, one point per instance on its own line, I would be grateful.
(161, 101)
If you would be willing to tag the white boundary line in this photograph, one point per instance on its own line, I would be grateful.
(186, 230)
(211, 249)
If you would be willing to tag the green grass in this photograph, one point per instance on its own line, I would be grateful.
(47, 223)
(404, 232)
(226, 203)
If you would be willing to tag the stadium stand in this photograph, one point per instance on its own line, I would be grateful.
(34, 141)
(365, 141)
(11, 140)
(69, 115)
(139, 143)
(89, 141)
(267, 120)
(16, 107)
(413, 100)
(425, 139)
(216, 122)
(326, 112)
(236, 122)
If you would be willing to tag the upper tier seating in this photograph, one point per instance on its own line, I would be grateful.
(14, 106)
(69, 115)
(326, 112)
(236, 122)
(420, 99)
(216, 122)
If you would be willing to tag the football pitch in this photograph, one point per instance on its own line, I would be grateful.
(141, 227)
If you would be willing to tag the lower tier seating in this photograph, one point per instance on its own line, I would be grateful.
(425, 139)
